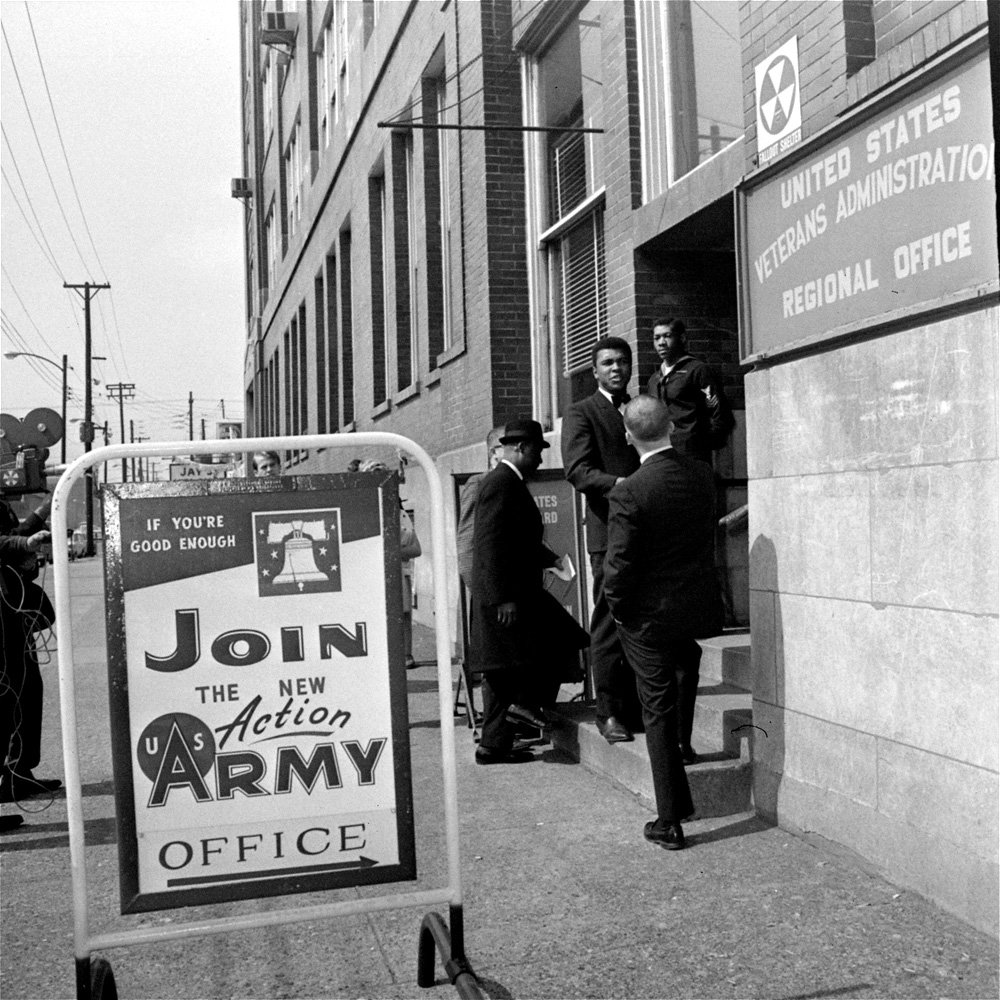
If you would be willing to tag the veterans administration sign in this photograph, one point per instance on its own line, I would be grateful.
(884, 217)
(260, 733)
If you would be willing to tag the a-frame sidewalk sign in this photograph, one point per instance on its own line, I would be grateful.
(258, 699)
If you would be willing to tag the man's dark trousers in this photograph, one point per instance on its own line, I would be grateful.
(614, 682)
(659, 665)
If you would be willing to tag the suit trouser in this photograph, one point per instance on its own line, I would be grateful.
(686, 656)
(657, 663)
(614, 682)
(500, 690)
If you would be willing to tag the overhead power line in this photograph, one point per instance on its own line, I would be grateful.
(49, 260)
(17, 295)
(38, 141)
(62, 145)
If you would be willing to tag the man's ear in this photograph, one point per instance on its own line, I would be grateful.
(628, 437)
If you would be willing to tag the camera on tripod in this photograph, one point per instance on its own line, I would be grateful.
(24, 447)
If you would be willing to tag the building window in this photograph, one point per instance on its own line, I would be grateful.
(328, 394)
(572, 97)
(689, 110)
(378, 227)
(341, 55)
(581, 300)
(325, 73)
(437, 219)
(303, 371)
(271, 241)
(293, 178)
(406, 266)
(346, 327)
(286, 427)
(563, 89)
(323, 385)
(267, 97)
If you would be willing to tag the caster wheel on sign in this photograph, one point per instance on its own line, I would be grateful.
(102, 980)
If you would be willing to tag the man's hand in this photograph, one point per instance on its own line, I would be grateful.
(507, 613)
(38, 539)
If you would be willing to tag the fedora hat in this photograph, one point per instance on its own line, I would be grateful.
(524, 430)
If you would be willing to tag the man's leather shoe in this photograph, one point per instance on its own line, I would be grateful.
(527, 715)
(19, 785)
(484, 756)
(670, 837)
(688, 755)
(613, 730)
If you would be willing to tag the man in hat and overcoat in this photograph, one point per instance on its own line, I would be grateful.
(518, 628)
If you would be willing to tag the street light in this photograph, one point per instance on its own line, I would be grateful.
(63, 367)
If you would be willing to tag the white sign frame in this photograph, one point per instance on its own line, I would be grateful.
(86, 942)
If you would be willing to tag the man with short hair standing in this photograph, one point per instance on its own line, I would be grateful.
(701, 415)
(596, 456)
(661, 588)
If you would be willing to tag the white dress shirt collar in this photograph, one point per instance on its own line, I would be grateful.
(511, 465)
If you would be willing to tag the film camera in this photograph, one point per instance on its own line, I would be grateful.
(24, 447)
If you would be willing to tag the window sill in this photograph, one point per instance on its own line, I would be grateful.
(382, 409)
(405, 394)
(455, 351)
(432, 378)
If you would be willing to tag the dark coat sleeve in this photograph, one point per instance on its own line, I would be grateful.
(465, 533)
(581, 455)
(495, 576)
(719, 413)
(620, 578)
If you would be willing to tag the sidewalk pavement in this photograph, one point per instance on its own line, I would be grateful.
(563, 897)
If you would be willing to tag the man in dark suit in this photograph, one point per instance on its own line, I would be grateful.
(661, 587)
(518, 629)
(596, 456)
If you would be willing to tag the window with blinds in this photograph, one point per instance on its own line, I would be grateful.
(584, 292)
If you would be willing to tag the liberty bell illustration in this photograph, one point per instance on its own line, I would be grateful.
(298, 537)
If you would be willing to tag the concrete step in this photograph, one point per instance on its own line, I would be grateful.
(726, 658)
(723, 716)
(720, 782)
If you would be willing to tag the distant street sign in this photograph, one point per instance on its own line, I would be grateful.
(181, 471)
(260, 739)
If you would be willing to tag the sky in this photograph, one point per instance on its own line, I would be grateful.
(146, 106)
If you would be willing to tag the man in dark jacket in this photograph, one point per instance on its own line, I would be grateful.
(596, 456)
(517, 627)
(25, 610)
(701, 415)
(660, 583)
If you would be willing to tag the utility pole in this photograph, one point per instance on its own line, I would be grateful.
(122, 391)
(190, 416)
(222, 404)
(87, 430)
(143, 475)
(131, 437)
(62, 447)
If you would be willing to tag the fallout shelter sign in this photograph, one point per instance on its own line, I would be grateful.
(258, 696)
(779, 108)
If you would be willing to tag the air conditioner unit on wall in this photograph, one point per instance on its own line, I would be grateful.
(277, 28)
(241, 188)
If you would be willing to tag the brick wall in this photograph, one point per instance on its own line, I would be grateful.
(765, 26)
